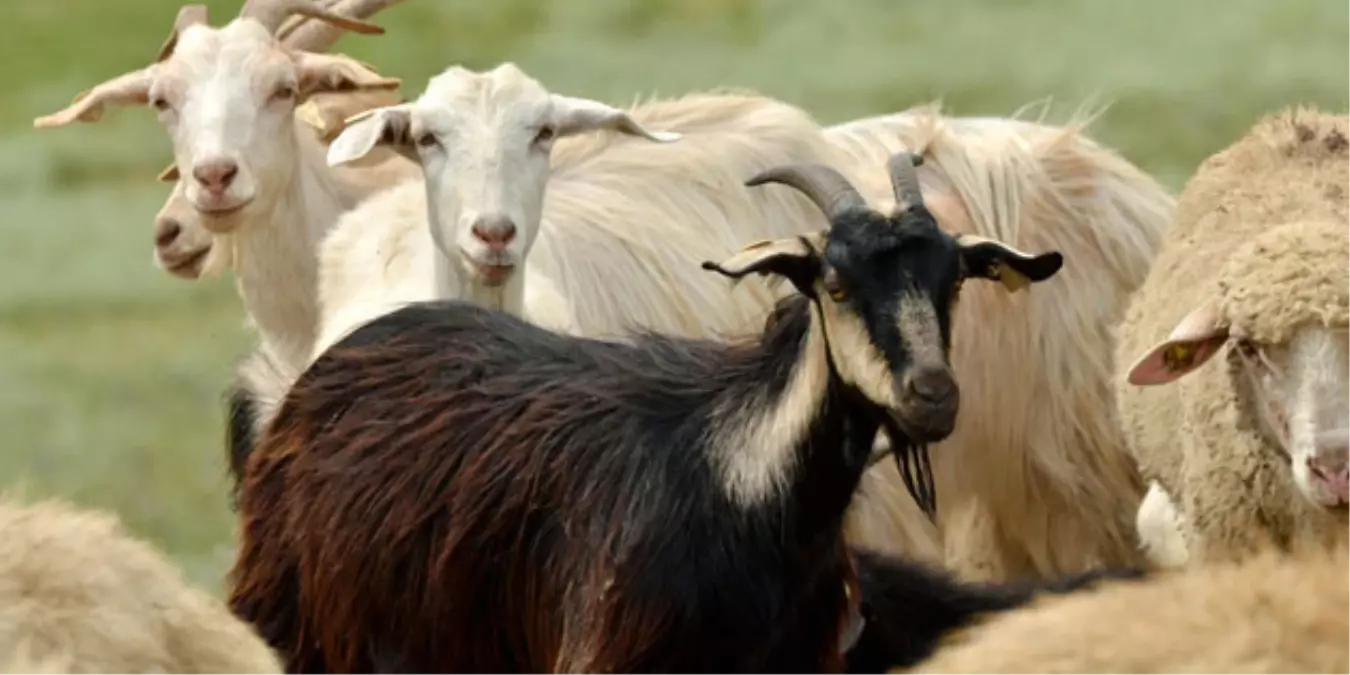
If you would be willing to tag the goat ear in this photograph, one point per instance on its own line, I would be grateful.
(575, 115)
(126, 89)
(793, 258)
(1196, 338)
(169, 175)
(990, 259)
(382, 126)
(335, 72)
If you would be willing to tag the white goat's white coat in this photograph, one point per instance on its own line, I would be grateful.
(603, 202)
(227, 97)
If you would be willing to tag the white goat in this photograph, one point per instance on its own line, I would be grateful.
(614, 234)
(227, 97)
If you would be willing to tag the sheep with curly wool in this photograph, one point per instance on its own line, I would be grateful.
(1246, 450)
(1270, 613)
(79, 594)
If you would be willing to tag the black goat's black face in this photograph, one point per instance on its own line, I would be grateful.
(885, 286)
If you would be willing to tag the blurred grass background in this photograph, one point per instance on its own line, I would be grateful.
(111, 371)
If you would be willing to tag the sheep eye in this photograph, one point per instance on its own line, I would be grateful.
(1248, 349)
(545, 135)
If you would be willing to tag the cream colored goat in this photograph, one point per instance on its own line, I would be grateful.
(607, 219)
(227, 97)
(79, 595)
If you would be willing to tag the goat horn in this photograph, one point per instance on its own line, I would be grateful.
(904, 181)
(271, 13)
(188, 15)
(828, 188)
(305, 34)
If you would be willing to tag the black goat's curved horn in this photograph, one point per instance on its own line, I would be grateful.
(904, 181)
(821, 184)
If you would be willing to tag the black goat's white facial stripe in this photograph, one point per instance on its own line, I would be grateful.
(859, 362)
(918, 324)
(754, 443)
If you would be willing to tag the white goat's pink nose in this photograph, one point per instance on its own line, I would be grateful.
(495, 231)
(216, 175)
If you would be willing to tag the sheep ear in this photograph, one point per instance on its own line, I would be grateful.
(362, 132)
(1195, 339)
(575, 115)
(793, 258)
(989, 259)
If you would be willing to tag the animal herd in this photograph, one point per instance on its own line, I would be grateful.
(547, 385)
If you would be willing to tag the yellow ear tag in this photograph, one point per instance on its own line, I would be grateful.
(1179, 356)
(309, 114)
(1013, 280)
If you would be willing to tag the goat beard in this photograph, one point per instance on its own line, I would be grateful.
(915, 468)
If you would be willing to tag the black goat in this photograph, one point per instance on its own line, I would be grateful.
(455, 489)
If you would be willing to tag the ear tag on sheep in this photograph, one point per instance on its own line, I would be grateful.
(1179, 356)
(1011, 279)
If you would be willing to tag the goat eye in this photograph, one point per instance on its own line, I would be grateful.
(284, 93)
(834, 287)
(427, 140)
(544, 136)
(160, 103)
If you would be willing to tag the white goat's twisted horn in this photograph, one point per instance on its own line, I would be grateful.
(306, 34)
(188, 15)
(271, 13)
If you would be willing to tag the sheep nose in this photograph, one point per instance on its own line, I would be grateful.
(932, 384)
(216, 175)
(495, 231)
(167, 231)
(1330, 462)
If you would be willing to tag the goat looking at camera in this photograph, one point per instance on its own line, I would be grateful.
(450, 488)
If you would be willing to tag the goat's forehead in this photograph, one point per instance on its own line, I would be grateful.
(494, 92)
(240, 46)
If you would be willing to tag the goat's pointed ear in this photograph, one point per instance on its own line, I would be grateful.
(335, 72)
(126, 89)
(169, 175)
(1196, 338)
(390, 127)
(990, 259)
(575, 115)
(795, 259)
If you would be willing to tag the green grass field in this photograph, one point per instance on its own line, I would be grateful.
(111, 372)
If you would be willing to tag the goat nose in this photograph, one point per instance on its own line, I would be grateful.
(495, 231)
(216, 175)
(167, 231)
(932, 384)
(1332, 452)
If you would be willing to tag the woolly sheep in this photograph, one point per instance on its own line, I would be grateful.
(1266, 614)
(1248, 449)
(78, 594)
(227, 96)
